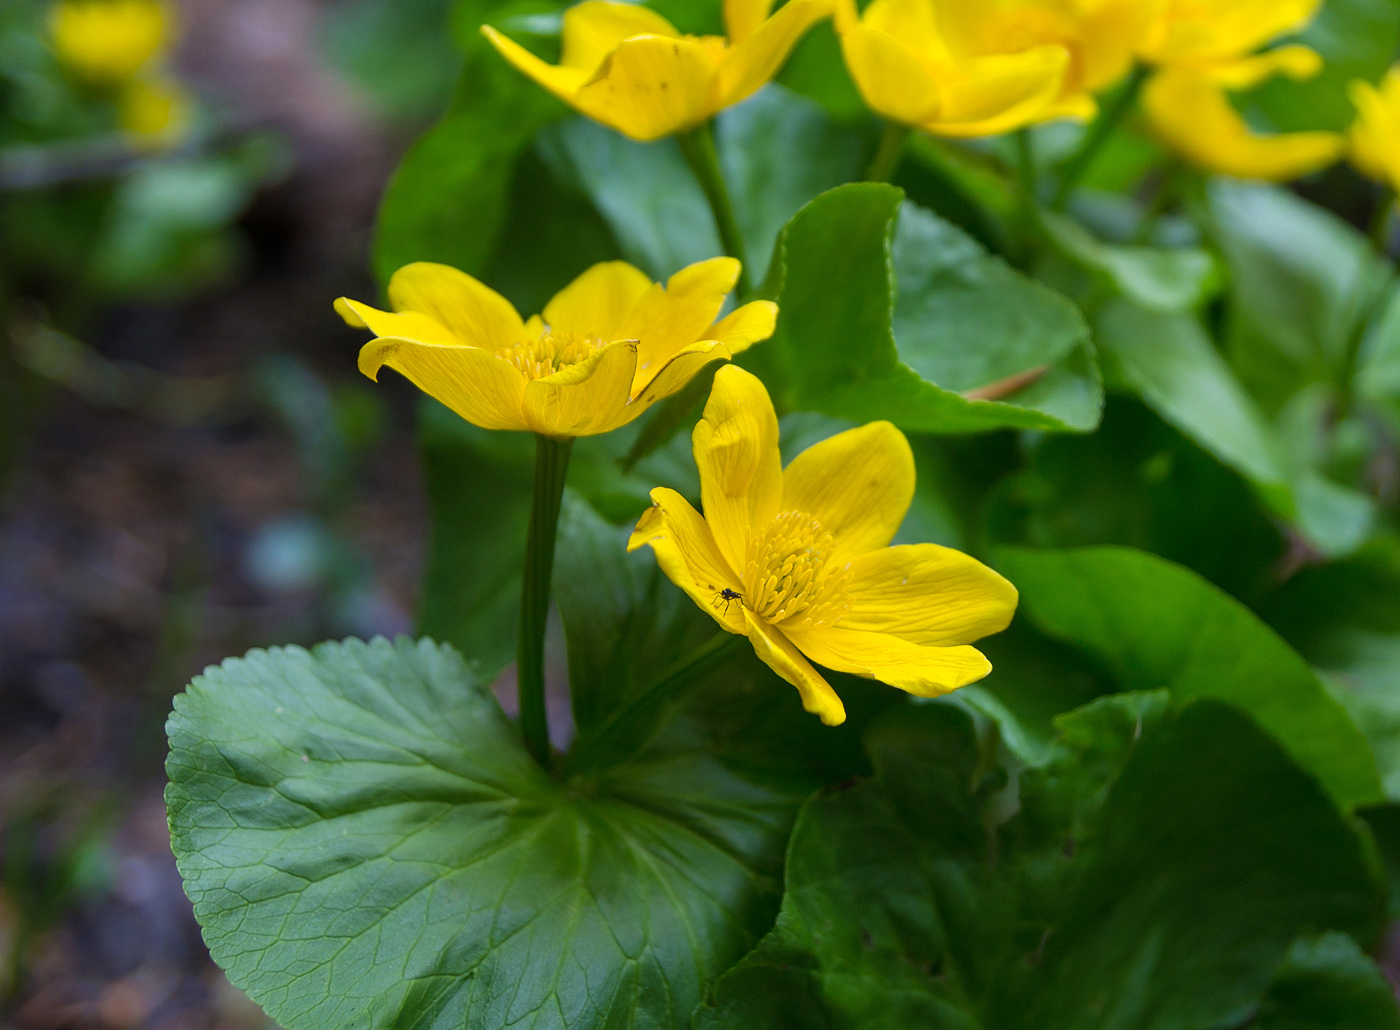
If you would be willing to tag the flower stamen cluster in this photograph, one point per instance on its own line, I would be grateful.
(787, 575)
(551, 352)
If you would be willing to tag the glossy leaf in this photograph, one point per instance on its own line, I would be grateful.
(1151, 624)
(845, 347)
(1155, 875)
(368, 844)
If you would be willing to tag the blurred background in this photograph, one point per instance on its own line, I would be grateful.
(190, 464)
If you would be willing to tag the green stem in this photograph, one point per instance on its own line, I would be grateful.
(1099, 133)
(888, 154)
(1380, 221)
(698, 146)
(1025, 167)
(551, 469)
(1162, 202)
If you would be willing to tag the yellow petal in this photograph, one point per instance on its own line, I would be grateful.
(858, 485)
(1109, 36)
(686, 551)
(928, 595)
(1375, 136)
(736, 450)
(756, 58)
(652, 86)
(668, 320)
(893, 80)
(745, 326)
(409, 325)
(913, 22)
(1189, 32)
(482, 388)
(778, 653)
(585, 399)
(922, 671)
(108, 41)
(986, 96)
(563, 82)
(594, 28)
(1297, 62)
(473, 312)
(650, 387)
(742, 17)
(1194, 117)
(599, 301)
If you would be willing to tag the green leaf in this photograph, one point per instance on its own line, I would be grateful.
(1357, 40)
(368, 844)
(447, 200)
(1140, 483)
(1169, 361)
(777, 150)
(1303, 286)
(1155, 875)
(1156, 278)
(844, 347)
(644, 192)
(366, 40)
(1344, 618)
(1152, 624)
(1327, 983)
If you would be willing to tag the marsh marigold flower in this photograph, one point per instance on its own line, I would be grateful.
(798, 559)
(1375, 135)
(626, 66)
(1204, 33)
(608, 345)
(1190, 110)
(954, 68)
(109, 42)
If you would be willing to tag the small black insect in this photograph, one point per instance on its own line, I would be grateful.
(729, 597)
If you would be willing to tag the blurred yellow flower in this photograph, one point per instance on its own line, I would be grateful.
(955, 68)
(156, 111)
(905, 70)
(626, 66)
(1375, 135)
(798, 559)
(109, 42)
(1201, 33)
(608, 345)
(1190, 110)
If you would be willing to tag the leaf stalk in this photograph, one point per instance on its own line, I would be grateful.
(698, 146)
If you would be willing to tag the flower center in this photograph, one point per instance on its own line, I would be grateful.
(550, 352)
(787, 574)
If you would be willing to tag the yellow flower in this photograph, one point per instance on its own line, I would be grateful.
(608, 345)
(955, 68)
(1201, 33)
(1375, 135)
(156, 111)
(798, 559)
(1190, 111)
(626, 66)
(108, 42)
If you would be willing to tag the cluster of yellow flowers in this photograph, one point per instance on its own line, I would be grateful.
(119, 46)
(955, 68)
(799, 559)
(796, 559)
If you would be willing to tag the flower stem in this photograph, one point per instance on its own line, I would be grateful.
(1025, 167)
(551, 469)
(1099, 133)
(888, 154)
(1380, 221)
(698, 146)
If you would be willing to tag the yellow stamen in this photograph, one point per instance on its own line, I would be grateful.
(787, 578)
(551, 352)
